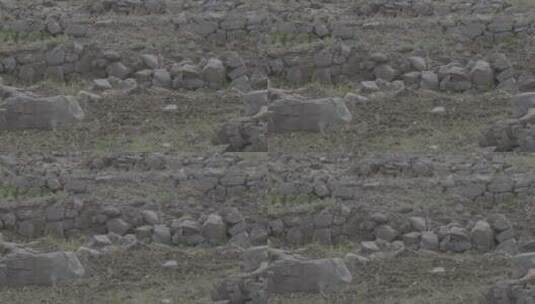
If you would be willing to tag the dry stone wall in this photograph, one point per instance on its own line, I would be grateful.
(294, 200)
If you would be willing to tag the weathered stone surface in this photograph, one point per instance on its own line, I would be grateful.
(28, 112)
(523, 263)
(44, 269)
(118, 226)
(387, 233)
(482, 75)
(161, 78)
(150, 217)
(482, 236)
(150, 61)
(254, 101)
(246, 134)
(214, 73)
(119, 70)
(521, 104)
(101, 84)
(385, 72)
(214, 229)
(289, 275)
(418, 223)
(429, 81)
(456, 240)
(161, 234)
(418, 63)
(429, 241)
(317, 115)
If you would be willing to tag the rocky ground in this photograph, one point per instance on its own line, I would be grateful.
(222, 151)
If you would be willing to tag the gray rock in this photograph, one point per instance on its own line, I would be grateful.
(387, 233)
(119, 70)
(456, 240)
(144, 233)
(418, 63)
(412, 78)
(508, 247)
(454, 78)
(429, 81)
(171, 265)
(214, 73)
(232, 216)
(369, 87)
(150, 217)
(118, 226)
(290, 275)
(252, 258)
(379, 57)
(233, 60)
(144, 77)
(526, 84)
(316, 115)
(368, 248)
(241, 240)
(243, 135)
(47, 269)
(55, 56)
(412, 239)
(354, 99)
(355, 262)
(500, 62)
(214, 229)
(323, 236)
(505, 235)
(187, 232)
(28, 112)
(482, 75)
(128, 86)
(242, 83)
(379, 218)
(101, 84)
(418, 223)
(258, 235)
(150, 61)
(254, 101)
(429, 241)
(9, 64)
(385, 72)
(112, 56)
(161, 78)
(482, 236)
(99, 241)
(53, 27)
(523, 263)
(161, 234)
(522, 103)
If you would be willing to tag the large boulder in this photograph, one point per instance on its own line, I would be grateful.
(267, 271)
(482, 75)
(24, 111)
(289, 275)
(522, 103)
(482, 236)
(315, 115)
(214, 73)
(46, 269)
